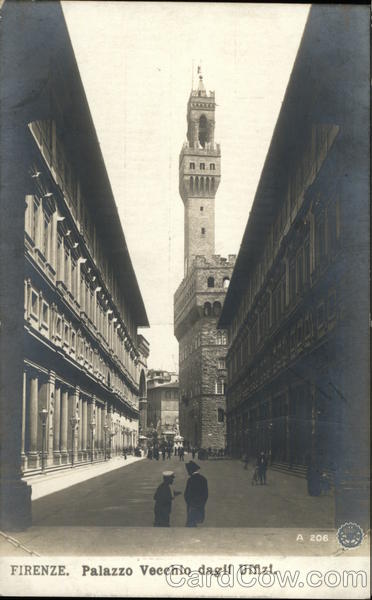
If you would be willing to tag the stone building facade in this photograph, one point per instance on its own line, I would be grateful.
(297, 309)
(163, 409)
(200, 296)
(73, 304)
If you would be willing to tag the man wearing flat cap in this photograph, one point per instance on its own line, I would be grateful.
(163, 497)
(196, 495)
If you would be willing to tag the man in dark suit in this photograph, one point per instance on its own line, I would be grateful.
(164, 497)
(196, 495)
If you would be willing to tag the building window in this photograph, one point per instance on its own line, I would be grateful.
(202, 166)
(201, 208)
(45, 239)
(34, 303)
(220, 415)
(203, 230)
(207, 309)
(34, 213)
(221, 363)
(226, 283)
(192, 165)
(220, 387)
(320, 315)
(212, 167)
(210, 282)
(45, 313)
(216, 309)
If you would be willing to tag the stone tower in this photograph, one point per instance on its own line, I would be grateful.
(200, 296)
(199, 174)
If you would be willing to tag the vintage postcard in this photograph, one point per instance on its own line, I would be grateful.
(184, 266)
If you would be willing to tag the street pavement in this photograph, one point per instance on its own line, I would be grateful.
(112, 514)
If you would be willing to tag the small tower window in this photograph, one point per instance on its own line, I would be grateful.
(226, 283)
(210, 282)
(192, 165)
(203, 131)
(220, 415)
(201, 208)
(203, 230)
(202, 166)
(207, 309)
(212, 166)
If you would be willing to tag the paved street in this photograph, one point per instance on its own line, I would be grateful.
(112, 515)
(124, 497)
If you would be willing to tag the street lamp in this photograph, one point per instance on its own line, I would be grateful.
(92, 425)
(43, 416)
(105, 427)
(74, 422)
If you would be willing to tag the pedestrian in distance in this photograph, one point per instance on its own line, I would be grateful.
(246, 461)
(125, 451)
(196, 495)
(262, 468)
(193, 453)
(164, 497)
(169, 450)
(182, 453)
(163, 452)
(149, 453)
(255, 476)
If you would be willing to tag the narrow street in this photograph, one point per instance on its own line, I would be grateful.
(124, 498)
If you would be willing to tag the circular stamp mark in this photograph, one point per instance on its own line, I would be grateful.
(350, 535)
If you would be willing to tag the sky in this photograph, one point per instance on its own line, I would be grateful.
(136, 63)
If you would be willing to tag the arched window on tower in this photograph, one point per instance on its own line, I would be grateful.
(196, 184)
(210, 282)
(202, 184)
(207, 185)
(216, 309)
(191, 184)
(212, 184)
(226, 283)
(207, 309)
(203, 131)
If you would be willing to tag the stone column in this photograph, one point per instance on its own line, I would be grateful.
(50, 422)
(57, 426)
(64, 426)
(33, 458)
(79, 435)
(84, 433)
(24, 408)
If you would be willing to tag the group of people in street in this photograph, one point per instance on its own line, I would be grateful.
(166, 451)
(259, 469)
(195, 495)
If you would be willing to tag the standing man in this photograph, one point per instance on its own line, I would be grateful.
(193, 452)
(163, 497)
(262, 467)
(169, 450)
(182, 453)
(196, 495)
(163, 452)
